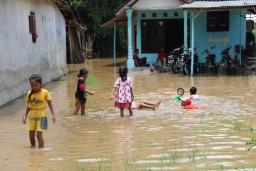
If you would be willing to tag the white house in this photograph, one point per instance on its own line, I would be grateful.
(32, 40)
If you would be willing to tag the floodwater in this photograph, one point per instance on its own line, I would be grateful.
(170, 138)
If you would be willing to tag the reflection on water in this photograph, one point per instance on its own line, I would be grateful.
(167, 139)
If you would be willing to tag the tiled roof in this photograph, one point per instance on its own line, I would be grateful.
(219, 4)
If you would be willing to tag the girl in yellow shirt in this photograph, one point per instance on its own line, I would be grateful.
(37, 98)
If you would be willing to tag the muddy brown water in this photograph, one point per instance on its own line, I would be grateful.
(167, 139)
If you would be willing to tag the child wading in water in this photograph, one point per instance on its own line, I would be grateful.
(81, 91)
(37, 98)
(180, 93)
(124, 96)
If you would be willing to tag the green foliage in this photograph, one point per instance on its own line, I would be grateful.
(251, 143)
(94, 13)
(92, 82)
(63, 78)
(254, 32)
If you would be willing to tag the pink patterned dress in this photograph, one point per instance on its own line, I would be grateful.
(123, 97)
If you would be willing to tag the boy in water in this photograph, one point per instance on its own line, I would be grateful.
(180, 93)
(193, 95)
(187, 104)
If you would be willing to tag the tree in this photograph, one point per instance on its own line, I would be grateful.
(93, 13)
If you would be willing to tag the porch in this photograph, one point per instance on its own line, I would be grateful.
(170, 24)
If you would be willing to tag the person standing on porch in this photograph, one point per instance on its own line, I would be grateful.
(139, 62)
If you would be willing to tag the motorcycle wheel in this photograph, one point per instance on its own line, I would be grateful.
(214, 68)
(174, 68)
(196, 69)
(185, 70)
(207, 66)
(229, 70)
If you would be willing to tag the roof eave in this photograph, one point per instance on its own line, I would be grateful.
(68, 14)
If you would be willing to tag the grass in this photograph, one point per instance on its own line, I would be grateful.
(92, 82)
(251, 143)
(63, 78)
(98, 166)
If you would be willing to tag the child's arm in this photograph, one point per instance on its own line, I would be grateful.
(113, 93)
(132, 94)
(52, 111)
(25, 116)
(89, 92)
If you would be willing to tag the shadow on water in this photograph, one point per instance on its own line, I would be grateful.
(169, 138)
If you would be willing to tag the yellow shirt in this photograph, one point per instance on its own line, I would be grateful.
(38, 100)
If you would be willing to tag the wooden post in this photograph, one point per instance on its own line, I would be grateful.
(192, 43)
(114, 45)
(185, 32)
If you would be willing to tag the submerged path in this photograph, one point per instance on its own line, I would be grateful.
(167, 139)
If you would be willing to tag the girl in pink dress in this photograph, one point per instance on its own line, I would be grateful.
(123, 87)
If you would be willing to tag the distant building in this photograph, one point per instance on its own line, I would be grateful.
(153, 24)
(32, 40)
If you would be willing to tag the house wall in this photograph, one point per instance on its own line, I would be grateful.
(153, 56)
(204, 39)
(20, 57)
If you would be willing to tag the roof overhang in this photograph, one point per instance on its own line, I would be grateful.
(156, 5)
(68, 14)
(220, 5)
(136, 5)
(119, 20)
(127, 4)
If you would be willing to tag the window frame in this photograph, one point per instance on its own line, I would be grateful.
(218, 21)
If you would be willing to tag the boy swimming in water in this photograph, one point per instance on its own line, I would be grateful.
(180, 93)
(193, 95)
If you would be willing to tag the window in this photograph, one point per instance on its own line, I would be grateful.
(165, 14)
(32, 22)
(32, 26)
(143, 15)
(176, 14)
(154, 15)
(218, 21)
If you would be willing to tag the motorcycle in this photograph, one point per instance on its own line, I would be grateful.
(210, 63)
(229, 63)
(187, 62)
(175, 61)
(244, 53)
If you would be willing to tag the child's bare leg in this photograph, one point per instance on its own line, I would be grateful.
(148, 103)
(77, 109)
(83, 109)
(39, 135)
(158, 103)
(122, 112)
(147, 106)
(32, 138)
(130, 111)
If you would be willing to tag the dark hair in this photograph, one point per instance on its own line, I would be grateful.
(36, 78)
(123, 70)
(136, 50)
(180, 89)
(193, 90)
(82, 72)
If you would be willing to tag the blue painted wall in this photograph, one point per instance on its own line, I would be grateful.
(152, 56)
(204, 39)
